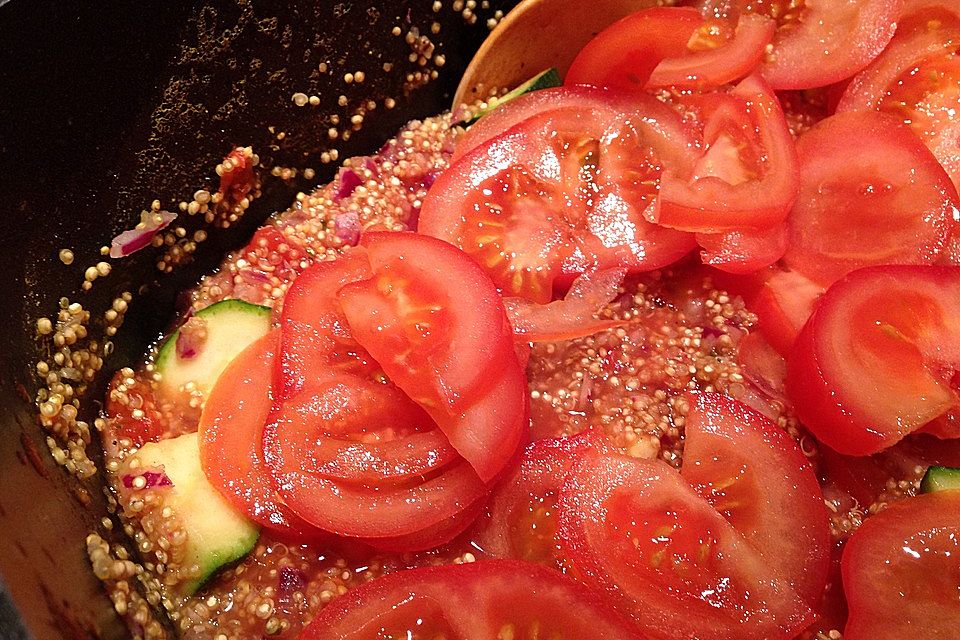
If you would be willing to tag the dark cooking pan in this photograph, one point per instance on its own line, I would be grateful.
(106, 106)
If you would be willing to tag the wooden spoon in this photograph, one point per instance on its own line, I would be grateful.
(537, 35)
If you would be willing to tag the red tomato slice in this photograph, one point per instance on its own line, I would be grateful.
(521, 518)
(486, 599)
(900, 571)
(573, 316)
(660, 117)
(636, 530)
(559, 194)
(917, 78)
(783, 305)
(877, 358)
(754, 474)
(748, 176)
(231, 432)
(870, 193)
(671, 46)
(381, 510)
(315, 339)
(743, 251)
(431, 537)
(817, 42)
(712, 61)
(624, 55)
(436, 324)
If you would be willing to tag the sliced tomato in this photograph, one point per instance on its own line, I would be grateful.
(436, 324)
(561, 193)
(747, 178)
(636, 530)
(711, 61)
(817, 43)
(876, 360)
(573, 316)
(315, 339)
(743, 251)
(900, 571)
(670, 46)
(917, 78)
(386, 510)
(485, 599)
(625, 54)
(231, 439)
(931, 450)
(863, 478)
(521, 518)
(782, 305)
(754, 474)
(870, 193)
(433, 536)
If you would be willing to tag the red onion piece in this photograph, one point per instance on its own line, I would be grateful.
(152, 479)
(141, 236)
(292, 580)
(191, 338)
(346, 226)
(347, 182)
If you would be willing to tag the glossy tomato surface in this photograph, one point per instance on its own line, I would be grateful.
(916, 79)
(636, 530)
(474, 601)
(231, 439)
(561, 193)
(671, 46)
(816, 42)
(747, 176)
(876, 361)
(754, 474)
(870, 193)
(900, 571)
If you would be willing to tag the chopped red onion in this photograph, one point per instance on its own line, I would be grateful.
(347, 183)
(292, 580)
(346, 226)
(151, 479)
(141, 236)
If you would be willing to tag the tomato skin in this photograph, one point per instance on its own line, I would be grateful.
(900, 571)
(870, 193)
(230, 432)
(636, 530)
(747, 179)
(562, 193)
(470, 601)
(862, 373)
(754, 474)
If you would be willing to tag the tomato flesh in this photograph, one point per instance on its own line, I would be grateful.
(636, 530)
(876, 360)
(485, 599)
(916, 78)
(817, 42)
(782, 305)
(747, 177)
(870, 193)
(521, 517)
(559, 194)
(754, 474)
(900, 571)
(231, 434)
